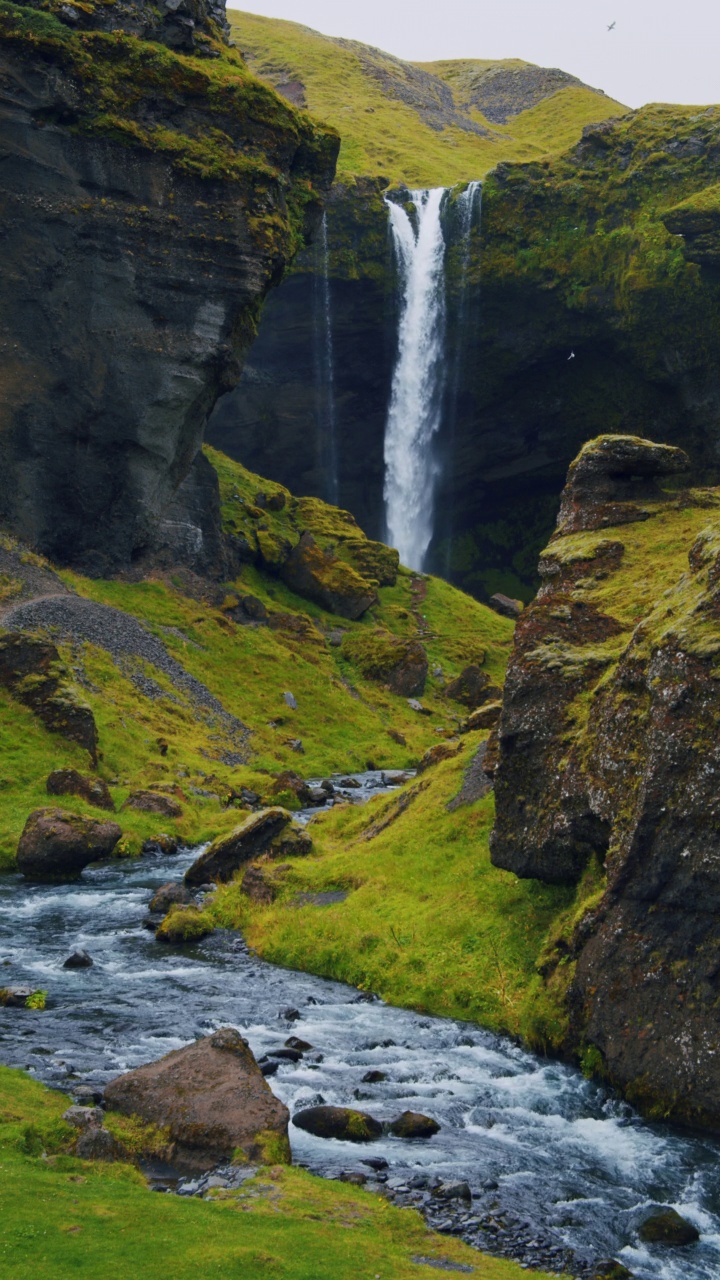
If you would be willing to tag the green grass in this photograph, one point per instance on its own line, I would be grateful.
(343, 719)
(429, 923)
(64, 1218)
(384, 135)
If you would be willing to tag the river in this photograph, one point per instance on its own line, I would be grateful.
(561, 1170)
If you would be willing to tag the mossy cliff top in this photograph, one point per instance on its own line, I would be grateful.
(430, 124)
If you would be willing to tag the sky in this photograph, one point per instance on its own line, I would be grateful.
(658, 51)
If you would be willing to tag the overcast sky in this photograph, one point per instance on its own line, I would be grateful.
(658, 52)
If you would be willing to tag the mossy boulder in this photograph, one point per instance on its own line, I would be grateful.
(413, 1124)
(154, 802)
(184, 924)
(228, 854)
(32, 670)
(56, 844)
(323, 577)
(343, 1123)
(69, 782)
(472, 687)
(401, 664)
(667, 1226)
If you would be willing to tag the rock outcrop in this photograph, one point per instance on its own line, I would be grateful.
(34, 673)
(608, 766)
(228, 854)
(211, 1097)
(56, 844)
(150, 200)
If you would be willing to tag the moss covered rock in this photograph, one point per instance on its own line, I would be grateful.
(401, 664)
(56, 844)
(339, 1122)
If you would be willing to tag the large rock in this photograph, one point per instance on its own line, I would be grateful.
(103, 410)
(612, 478)
(667, 1226)
(608, 758)
(56, 844)
(401, 664)
(227, 854)
(154, 802)
(413, 1124)
(472, 687)
(68, 782)
(211, 1096)
(329, 581)
(34, 673)
(338, 1122)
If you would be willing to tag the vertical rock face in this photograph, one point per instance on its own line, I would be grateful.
(149, 202)
(608, 753)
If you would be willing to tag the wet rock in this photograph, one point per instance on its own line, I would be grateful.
(286, 1055)
(667, 1226)
(15, 997)
(211, 1095)
(154, 802)
(79, 959)
(294, 1042)
(610, 1270)
(453, 1191)
(472, 687)
(354, 1177)
(412, 1124)
(374, 1077)
(505, 605)
(161, 844)
(33, 672)
(56, 844)
(269, 1068)
(332, 583)
(434, 755)
(290, 1014)
(483, 717)
(228, 853)
(170, 895)
(68, 782)
(339, 1122)
(378, 1163)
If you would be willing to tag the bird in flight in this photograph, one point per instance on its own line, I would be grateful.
(612, 26)
(571, 356)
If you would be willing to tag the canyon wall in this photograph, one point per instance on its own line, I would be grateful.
(149, 201)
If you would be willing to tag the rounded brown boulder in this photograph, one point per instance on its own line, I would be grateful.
(213, 1099)
(413, 1124)
(56, 844)
(339, 1122)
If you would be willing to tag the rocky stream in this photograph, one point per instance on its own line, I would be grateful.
(532, 1161)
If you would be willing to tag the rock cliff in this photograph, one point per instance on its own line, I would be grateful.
(152, 192)
(607, 770)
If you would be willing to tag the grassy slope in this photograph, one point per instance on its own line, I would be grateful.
(65, 1218)
(381, 135)
(342, 719)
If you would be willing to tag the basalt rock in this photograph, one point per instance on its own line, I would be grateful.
(56, 844)
(228, 854)
(339, 1122)
(68, 782)
(150, 200)
(211, 1096)
(34, 673)
(608, 756)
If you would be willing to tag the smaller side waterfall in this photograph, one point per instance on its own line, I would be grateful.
(417, 388)
(325, 418)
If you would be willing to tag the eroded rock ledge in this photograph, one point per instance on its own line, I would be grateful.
(608, 770)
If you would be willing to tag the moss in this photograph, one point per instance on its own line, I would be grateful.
(274, 1147)
(375, 653)
(185, 924)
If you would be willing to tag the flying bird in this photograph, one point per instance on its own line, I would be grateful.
(612, 26)
(571, 356)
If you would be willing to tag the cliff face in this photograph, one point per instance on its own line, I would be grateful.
(149, 200)
(607, 769)
(609, 252)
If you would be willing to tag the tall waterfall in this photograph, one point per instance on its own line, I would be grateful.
(417, 388)
(326, 426)
(469, 214)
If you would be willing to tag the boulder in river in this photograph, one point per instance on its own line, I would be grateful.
(69, 782)
(228, 853)
(184, 924)
(412, 1124)
(213, 1098)
(80, 959)
(339, 1122)
(667, 1226)
(154, 802)
(56, 844)
(611, 1269)
(162, 843)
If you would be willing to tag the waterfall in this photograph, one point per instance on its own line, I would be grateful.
(417, 387)
(465, 334)
(325, 421)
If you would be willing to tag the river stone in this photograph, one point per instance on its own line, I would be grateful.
(412, 1124)
(453, 1191)
(69, 782)
(153, 802)
(162, 843)
(211, 1095)
(611, 1270)
(667, 1226)
(56, 844)
(228, 853)
(339, 1122)
(169, 895)
(80, 959)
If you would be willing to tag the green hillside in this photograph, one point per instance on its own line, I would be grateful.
(420, 123)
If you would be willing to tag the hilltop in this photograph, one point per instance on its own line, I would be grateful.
(423, 124)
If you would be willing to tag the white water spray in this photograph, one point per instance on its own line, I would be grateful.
(416, 397)
(327, 461)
